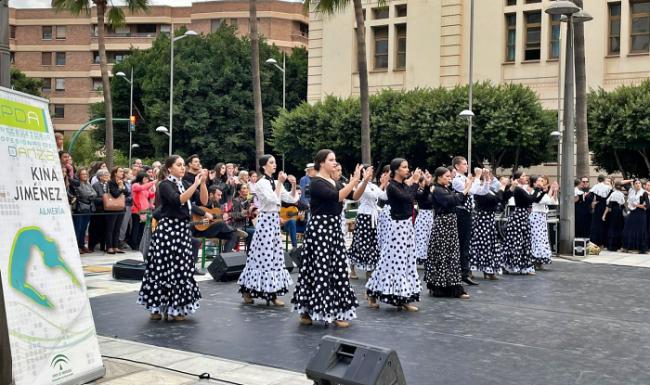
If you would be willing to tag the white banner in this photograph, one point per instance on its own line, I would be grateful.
(49, 320)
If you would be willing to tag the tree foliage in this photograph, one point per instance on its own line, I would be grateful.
(619, 124)
(20, 82)
(213, 101)
(510, 127)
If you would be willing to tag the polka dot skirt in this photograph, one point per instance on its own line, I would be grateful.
(323, 289)
(541, 246)
(364, 252)
(396, 280)
(168, 285)
(442, 268)
(265, 275)
(383, 225)
(485, 247)
(517, 256)
(423, 226)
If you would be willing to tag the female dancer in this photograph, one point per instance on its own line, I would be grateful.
(541, 247)
(635, 235)
(364, 251)
(424, 219)
(168, 287)
(614, 214)
(517, 256)
(442, 268)
(264, 275)
(396, 279)
(485, 246)
(323, 291)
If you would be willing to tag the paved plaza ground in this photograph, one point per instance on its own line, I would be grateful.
(579, 322)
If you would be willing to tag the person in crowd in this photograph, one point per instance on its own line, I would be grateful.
(310, 172)
(85, 195)
(168, 287)
(143, 191)
(97, 227)
(635, 232)
(58, 138)
(424, 218)
(242, 178)
(252, 180)
(323, 291)
(221, 181)
(364, 251)
(94, 167)
(221, 228)
(583, 199)
(541, 246)
(614, 215)
(264, 275)
(395, 281)
(126, 223)
(443, 267)
(66, 164)
(138, 164)
(517, 255)
(383, 219)
(116, 188)
(243, 211)
(600, 192)
(485, 247)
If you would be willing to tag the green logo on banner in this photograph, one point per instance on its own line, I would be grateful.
(21, 250)
(59, 360)
(20, 115)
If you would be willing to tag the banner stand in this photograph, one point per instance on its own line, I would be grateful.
(6, 377)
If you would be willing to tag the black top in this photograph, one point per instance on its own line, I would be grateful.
(445, 199)
(189, 177)
(325, 197)
(170, 201)
(424, 198)
(488, 202)
(400, 199)
(523, 199)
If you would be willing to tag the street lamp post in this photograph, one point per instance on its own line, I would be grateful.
(567, 208)
(470, 117)
(171, 82)
(557, 135)
(131, 126)
(283, 69)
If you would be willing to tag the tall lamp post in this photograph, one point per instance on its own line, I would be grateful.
(165, 131)
(283, 69)
(131, 123)
(171, 83)
(557, 135)
(468, 113)
(567, 209)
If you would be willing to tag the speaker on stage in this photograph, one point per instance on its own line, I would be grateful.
(345, 362)
(132, 269)
(227, 266)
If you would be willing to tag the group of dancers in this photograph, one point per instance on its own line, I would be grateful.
(452, 232)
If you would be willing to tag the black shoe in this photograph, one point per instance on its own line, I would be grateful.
(469, 281)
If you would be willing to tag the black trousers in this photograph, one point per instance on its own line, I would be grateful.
(113, 223)
(464, 239)
(221, 231)
(97, 231)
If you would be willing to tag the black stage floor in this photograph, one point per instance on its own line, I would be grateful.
(573, 324)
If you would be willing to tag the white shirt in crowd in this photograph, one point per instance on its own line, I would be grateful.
(601, 189)
(617, 196)
(634, 198)
(268, 200)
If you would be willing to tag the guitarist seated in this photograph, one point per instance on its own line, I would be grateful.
(292, 221)
(220, 229)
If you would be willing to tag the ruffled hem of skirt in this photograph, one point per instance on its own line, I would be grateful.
(171, 311)
(453, 291)
(393, 288)
(363, 265)
(260, 281)
(267, 296)
(392, 299)
(487, 269)
(343, 315)
(519, 270)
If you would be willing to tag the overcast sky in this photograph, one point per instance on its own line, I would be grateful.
(46, 3)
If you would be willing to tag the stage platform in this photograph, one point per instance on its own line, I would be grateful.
(575, 323)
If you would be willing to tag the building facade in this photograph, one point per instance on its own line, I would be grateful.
(62, 49)
(425, 43)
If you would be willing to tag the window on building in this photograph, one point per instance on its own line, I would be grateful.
(118, 57)
(400, 43)
(381, 47)
(380, 13)
(12, 32)
(215, 24)
(145, 29)
(511, 2)
(59, 84)
(554, 41)
(640, 36)
(400, 10)
(533, 1)
(58, 111)
(12, 57)
(614, 40)
(94, 30)
(46, 58)
(304, 29)
(47, 85)
(97, 84)
(46, 32)
(96, 57)
(60, 58)
(511, 36)
(165, 28)
(60, 32)
(533, 35)
(234, 22)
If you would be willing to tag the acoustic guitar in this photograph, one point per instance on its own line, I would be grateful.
(202, 224)
(291, 212)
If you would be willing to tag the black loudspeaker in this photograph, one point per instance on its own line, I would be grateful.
(129, 269)
(227, 266)
(345, 362)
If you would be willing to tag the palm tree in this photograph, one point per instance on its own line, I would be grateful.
(331, 7)
(582, 134)
(255, 72)
(115, 17)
